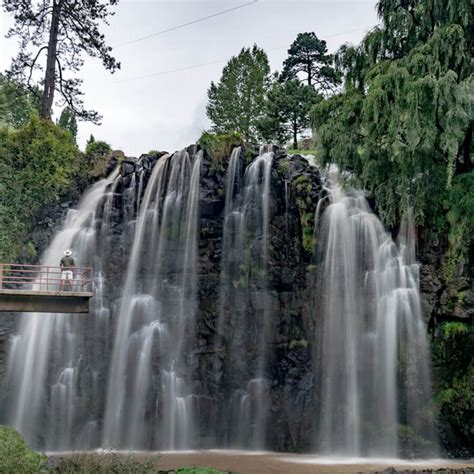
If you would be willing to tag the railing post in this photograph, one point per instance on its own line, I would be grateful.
(1, 276)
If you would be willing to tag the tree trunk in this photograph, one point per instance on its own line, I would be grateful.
(466, 165)
(295, 136)
(50, 75)
(309, 73)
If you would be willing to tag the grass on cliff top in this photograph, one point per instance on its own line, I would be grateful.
(302, 152)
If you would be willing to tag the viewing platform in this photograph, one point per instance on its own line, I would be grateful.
(40, 289)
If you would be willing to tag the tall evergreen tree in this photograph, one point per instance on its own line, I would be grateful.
(309, 55)
(68, 121)
(62, 30)
(237, 102)
(287, 112)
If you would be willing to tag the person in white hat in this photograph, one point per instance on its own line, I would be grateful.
(67, 264)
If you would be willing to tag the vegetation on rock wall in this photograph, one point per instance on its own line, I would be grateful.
(16, 456)
(219, 145)
(453, 367)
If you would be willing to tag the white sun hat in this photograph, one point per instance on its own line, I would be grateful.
(67, 252)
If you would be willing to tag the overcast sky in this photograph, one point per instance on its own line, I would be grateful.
(166, 111)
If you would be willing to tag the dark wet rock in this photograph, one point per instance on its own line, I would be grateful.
(127, 167)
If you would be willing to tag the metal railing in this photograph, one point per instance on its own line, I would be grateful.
(16, 276)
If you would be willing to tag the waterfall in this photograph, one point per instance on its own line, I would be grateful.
(244, 296)
(149, 401)
(201, 329)
(42, 399)
(372, 363)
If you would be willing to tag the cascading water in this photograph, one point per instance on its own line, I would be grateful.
(44, 400)
(149, 402)
(372, 362)
(159, 365)
(244, 295)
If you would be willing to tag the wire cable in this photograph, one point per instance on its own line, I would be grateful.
(186, 24)
(195, 66)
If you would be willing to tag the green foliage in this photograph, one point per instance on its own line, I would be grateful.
(237, 102)
(108, 462)
(302, 188)
(298, 343)
(39, 162)
(452, 347)
(119, 463)
(403, 124)
(458, 205)
(67, 120)
(96, 157)
(17, 105)
(198, 470)
(16, 456)
(287, 111)
(453, 329)
(412, 444)
(219, 145)
(309, 55)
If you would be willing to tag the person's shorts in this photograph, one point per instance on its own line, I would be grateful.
(66, 275)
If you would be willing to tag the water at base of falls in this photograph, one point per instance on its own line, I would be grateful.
(372, 362)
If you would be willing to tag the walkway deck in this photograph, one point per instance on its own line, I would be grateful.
(37, 289)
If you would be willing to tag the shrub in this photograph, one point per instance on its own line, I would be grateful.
(219, 145)
(198, 470)
(38, 163)
(107, 462)
(16, 456)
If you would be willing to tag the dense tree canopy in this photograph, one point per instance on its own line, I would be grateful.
(287, 111)
(403, 123)
(67, 120)
(17, 104)
(237, 102)
(63, 31)
(309, 56)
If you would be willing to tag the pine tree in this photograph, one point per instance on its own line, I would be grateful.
(67, 120)
(309, 55)
(237, 102)
(288, 108)
(64, 31)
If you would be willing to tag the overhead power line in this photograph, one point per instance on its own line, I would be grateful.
(187, 24)
(195, 66)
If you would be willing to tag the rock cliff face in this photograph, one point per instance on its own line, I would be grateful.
(296, 191)
(448, 296)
